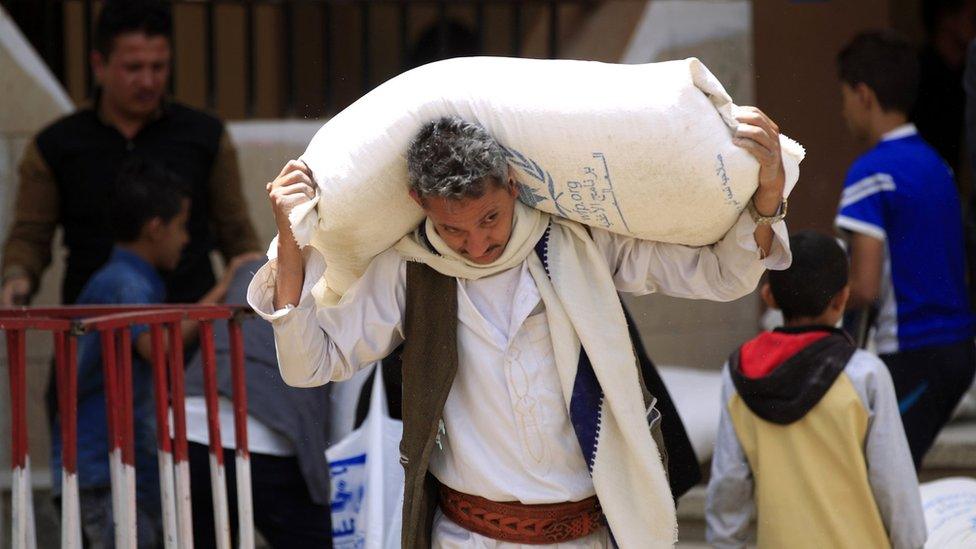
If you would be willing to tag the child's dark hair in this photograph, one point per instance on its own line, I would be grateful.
(144, 190)
(818, 273)
(151, 17)
(885, 62)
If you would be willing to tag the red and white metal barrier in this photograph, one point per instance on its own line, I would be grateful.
(113, 324)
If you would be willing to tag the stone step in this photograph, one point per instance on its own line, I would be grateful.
(953, 454)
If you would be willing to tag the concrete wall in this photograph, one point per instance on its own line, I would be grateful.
(263, 148)
(796, 45)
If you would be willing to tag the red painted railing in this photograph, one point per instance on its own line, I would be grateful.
(113, 324)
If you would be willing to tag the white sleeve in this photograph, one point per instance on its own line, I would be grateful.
(317, 344)
(891, 471)
(726, 270)
(729, 504)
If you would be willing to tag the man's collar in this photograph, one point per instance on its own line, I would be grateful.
(96, 100)
(905, 130)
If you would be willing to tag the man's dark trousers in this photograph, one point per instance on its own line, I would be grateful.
(929, 383)
(284, 512)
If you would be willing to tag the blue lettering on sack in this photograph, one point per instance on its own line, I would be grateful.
(591, 198)
(723, 176)
(348, 490)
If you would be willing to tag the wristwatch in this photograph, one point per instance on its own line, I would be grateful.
(761, 219)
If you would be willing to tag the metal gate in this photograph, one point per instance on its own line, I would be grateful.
(113, 324)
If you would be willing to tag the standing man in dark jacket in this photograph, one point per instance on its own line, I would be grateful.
(67, 169)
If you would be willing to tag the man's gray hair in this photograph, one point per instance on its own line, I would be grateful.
(455, 159)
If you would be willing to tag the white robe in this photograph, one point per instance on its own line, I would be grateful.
(508, 436)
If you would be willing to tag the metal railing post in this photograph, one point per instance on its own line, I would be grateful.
(167, 492)
(127, 424)
(181, 463)
(65, 346)
(23, 534)
(218, 482)
(122, 513)
(245, 507)
(113, 325)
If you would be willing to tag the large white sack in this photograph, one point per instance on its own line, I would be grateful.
(950, 512)
(697, 395)
(642, 150)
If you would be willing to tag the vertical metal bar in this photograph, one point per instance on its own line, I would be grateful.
(404, 35)
(479, 21)
(364, 44)
(112, 402)
(184, 515)
(67, 410)
(217, 477)
(245, 509)
(441, 29)
(210, 66)
(124, 364)
(173, 57)
(171, 83)
(288, 24)
(23, 534)
(54, 39)
(249, 57)
(71, 397)
(553, 29)
(86, 7)
(27, 485)
(18, 397)
(327, 68)
(164, 447)
(126, 422)
(48, 41)
(516, 26)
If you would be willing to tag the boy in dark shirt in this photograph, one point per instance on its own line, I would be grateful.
(149, 210)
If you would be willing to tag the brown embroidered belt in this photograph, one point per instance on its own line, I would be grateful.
(518, 523)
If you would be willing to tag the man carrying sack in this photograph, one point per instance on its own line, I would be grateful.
(525, 419)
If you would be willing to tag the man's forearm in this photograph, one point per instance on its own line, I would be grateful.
(36, 212)
(764, 238)
(767, 203)
(290, 271)
(27, 251)
(867, 260)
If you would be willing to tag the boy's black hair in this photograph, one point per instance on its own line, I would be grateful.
(887, 63)
(818, 273)
(144, 190)
(151, 17)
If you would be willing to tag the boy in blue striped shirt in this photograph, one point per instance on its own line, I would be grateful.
(902, 212)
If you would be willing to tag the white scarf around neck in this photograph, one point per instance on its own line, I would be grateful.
(583, 308)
